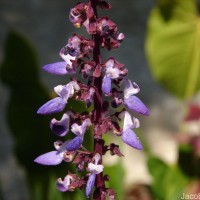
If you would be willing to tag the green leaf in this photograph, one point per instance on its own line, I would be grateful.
(168, 182)
(173, 47)
(53, 192)
(116, 174)
(78, 106)
(37, 191)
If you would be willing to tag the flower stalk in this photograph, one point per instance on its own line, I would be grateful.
(107, 88)
(96, 117)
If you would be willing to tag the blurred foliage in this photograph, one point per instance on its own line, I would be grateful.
(173, 46)
(116, 174)
(20, 72)
(168, 181)
(173, 50)
(189, 158)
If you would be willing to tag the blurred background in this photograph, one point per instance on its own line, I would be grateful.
(162, 54)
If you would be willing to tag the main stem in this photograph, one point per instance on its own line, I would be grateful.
(98, 143)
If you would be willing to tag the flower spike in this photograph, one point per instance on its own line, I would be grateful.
(98, 86)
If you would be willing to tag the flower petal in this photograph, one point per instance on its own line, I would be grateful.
(90, 184)
(61, 127)
(53, 106)
(130, 138)
(86, 123)
(58, 144)
(135, 104)
(110, 63)
(66, 57)
(62, 147)
(74, 144)
(58, 68)
(50, 158)
(63, 185)
(106, 85)
(128, 123)
(130, 88)
(136, 122)
(68, 156)
(76, 129)
(113, 72)
(64, 91)
(75, 85)
(79, 130)
(95, 169)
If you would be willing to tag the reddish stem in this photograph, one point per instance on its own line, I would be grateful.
(98, 143)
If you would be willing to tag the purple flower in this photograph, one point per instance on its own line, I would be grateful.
(63, 186)
(58, 104)
(106, 85)
(112, 68)
(60, 68)
(131, 101)
(69, 53)
(72, 50)
(128, 135)
(56, 157)
(94, 169)
(78, 130)
(112, 71)
(61, 127)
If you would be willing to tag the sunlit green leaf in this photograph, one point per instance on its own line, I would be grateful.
(173, 47)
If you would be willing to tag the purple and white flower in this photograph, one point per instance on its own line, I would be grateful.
(112, 71)
(79, 131)
(63, 185)
(128, 135)
(94, 169)
(56, 157)
(61, 127)
(69, 53)
(131, 101)
(58, 104)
